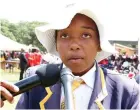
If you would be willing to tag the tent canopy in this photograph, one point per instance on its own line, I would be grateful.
(8, 44)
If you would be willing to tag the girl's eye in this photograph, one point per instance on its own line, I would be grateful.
(64, 36)
(86, 36)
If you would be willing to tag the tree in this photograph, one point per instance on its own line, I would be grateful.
(22, 32)
(5, 29)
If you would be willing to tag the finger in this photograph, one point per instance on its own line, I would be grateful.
(9, 86)
(5, 93)
(1, 103)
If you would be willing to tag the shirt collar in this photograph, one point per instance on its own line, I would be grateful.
(89, 77)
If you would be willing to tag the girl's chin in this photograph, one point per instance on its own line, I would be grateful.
(79, 72)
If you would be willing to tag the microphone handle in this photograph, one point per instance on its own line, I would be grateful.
(68, 95)
(25, 85)
(66, 78)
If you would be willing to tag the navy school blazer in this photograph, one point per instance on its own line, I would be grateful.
(111, 91)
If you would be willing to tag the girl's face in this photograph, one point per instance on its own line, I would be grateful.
(78, 44)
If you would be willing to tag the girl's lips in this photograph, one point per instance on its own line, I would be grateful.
(75, 59)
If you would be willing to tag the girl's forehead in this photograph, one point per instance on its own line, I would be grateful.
(81, 20)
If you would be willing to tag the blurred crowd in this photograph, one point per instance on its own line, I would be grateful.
(25, 59)
(8, 55)
(33, 57)
(123, 64)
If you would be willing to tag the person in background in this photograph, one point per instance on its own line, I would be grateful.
(38, 57)
(23, 63)
(131, 73)
(27, 55)
(35, 57)
(13, 54)
(2, 56)
(31, 58)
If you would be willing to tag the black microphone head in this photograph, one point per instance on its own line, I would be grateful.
(49, 74)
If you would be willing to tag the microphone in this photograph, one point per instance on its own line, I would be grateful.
(66, 79)
(45, 75)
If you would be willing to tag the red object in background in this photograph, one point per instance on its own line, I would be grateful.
(27, 55)
(37, 58)
(34, 59)
(31, 59)
(131, 75)
(104, 62)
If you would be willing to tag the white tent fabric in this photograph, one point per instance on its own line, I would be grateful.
(8, 44)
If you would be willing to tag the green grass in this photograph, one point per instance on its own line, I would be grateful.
(11, 77)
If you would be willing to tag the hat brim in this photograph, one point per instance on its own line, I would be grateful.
(46, 33)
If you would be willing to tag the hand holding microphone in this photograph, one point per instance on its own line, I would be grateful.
(46, 75)
(5, 87)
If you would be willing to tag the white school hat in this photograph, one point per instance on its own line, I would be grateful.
(46, 33)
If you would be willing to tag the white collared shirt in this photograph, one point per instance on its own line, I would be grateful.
(83, 93)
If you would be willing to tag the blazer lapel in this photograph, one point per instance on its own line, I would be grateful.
(52, 99)
(99, 91)
(96, 90)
